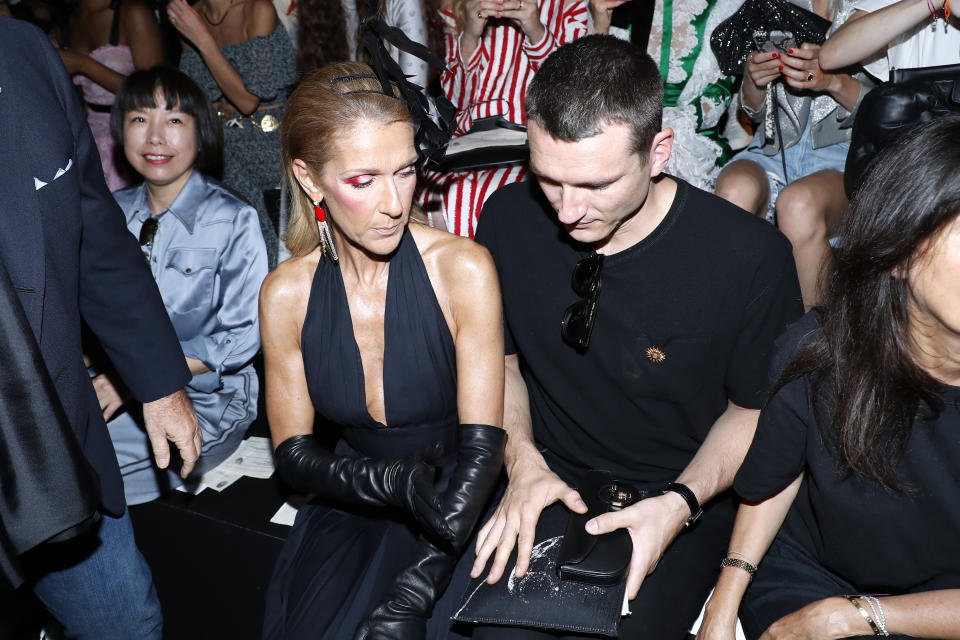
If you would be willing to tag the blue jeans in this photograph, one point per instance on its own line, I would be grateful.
(802, 160)
(99, 586)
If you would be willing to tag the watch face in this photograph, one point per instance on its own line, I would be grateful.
(618, 495)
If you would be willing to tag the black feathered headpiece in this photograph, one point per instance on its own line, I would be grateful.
(431, 136)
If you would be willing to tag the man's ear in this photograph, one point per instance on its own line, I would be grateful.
(660, 151)
(307, 180)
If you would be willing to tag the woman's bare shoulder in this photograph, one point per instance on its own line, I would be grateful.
(451, 260)
(136, 15)
(288, 286)
(260, 17)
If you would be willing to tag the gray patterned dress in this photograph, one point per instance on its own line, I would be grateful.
(252, 163)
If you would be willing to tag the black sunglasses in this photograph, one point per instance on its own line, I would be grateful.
(148, 231)
(578, 318)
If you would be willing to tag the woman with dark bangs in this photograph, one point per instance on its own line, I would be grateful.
(205, 250)
(854, 472)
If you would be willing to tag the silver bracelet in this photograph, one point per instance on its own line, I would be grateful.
(878, 613)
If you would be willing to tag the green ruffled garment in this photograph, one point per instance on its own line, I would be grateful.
(696, 93)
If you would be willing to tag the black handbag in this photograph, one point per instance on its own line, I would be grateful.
(911, 97)
(589, 597)
(732, 40)
(600, 560)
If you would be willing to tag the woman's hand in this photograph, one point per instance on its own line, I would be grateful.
(762, 68)
(110, 395)
(74, 62)
(476, 17)
(801, 70)
(602, 13)
(189, 23)
(525, 13)
(820, 620)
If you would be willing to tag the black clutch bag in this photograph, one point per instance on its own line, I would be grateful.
(733, 39)
(587, 599)
(911, 97)
(600, 560)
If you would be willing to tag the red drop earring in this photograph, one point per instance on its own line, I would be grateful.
(327, 246)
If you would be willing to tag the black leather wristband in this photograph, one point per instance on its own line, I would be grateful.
(684, 491)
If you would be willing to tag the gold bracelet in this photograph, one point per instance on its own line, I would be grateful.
(863, 612)
(739, 564)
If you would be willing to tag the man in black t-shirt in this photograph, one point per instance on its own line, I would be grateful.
(660, 369)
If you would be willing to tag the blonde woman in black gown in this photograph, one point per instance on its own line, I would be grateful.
(388, 333)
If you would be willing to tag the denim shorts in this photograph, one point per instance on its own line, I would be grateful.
(802, 160)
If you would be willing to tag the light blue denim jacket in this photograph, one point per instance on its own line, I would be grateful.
(209, 259)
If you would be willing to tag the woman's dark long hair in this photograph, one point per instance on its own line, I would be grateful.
(865, 381)
(322, 38)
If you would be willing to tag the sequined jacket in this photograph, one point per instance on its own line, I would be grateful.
(831, 122)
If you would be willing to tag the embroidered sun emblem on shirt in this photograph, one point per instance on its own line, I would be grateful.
(656, 354)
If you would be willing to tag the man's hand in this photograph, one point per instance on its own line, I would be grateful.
(532, 488)
(653, 524)
(109, 394)
(173, 418)
(820, 620)
(718, 626)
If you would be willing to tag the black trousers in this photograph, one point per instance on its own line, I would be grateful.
(788, 579)
(671, 597)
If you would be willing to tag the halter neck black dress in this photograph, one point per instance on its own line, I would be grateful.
(340, 559)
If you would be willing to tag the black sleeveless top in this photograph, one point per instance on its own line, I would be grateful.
(339, 560)
(419, 359)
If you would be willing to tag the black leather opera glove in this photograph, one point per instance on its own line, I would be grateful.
(405, 483)
(403, 613)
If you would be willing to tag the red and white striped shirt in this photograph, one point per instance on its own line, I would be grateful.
(493, 82)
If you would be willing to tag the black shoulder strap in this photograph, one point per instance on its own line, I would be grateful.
(115, 25)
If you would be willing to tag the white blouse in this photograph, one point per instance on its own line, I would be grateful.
(931, 43)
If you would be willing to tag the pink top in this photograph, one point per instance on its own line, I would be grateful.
(119, 59)
(116, 57)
